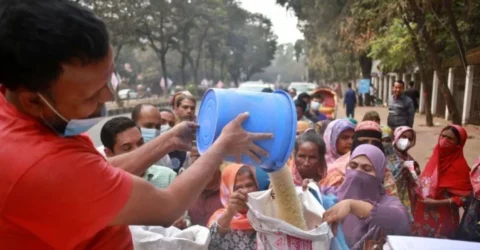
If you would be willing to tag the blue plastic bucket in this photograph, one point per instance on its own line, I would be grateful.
(269, 113)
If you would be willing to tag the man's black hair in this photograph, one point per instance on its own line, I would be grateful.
(301, 104)
(267, 90)
(317, 95)
(349, 85)
(136, 111)
(400, 81)
(411, 84)
(165, 110)
(37, 37)
(112, 128)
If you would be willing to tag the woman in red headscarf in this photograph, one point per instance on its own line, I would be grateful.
(444, 187)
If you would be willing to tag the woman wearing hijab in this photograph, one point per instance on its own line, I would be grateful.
(365, 209)
(469, 228)
(444, 187)
(367, 132)
(229, 226)
(338, 139)
(397, 163)
(387, 140)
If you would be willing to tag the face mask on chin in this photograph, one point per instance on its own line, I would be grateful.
(73, 127)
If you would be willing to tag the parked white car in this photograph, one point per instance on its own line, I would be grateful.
(303, 87)
(255, 86)
(125, 94)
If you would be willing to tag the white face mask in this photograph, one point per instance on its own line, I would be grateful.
(402, 144)
(164, 128)
(315, 106)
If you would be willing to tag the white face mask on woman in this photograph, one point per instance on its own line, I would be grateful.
(402, 144)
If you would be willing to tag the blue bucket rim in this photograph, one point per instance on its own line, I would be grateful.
(201, 150)
(293, 127)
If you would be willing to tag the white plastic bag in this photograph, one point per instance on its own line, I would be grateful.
(158, 238)
(275, 234)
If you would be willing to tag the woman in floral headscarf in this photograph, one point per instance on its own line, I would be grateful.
(229, 226)
(405, 139)
(444, 187)
(338, 139)
(469, 228)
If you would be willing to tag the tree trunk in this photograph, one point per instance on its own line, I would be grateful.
(222, 69)
(436, 60)
(455, 33)
(366, 65)
(427, 87)
(163, 63)
(212, 68)
(182, 70)
(117, 52)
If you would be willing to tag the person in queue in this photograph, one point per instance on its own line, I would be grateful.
(184, 108)
(293, 93)
(444, 187)
(148, 119)
(229, 226)
(338, 139)
(401, 110)
(121, 135)
(308, 158)
(367, 132)
(405, 139)
(470, 224)
(209, 200)
(65, 195)
(167, 119)
(321, 126)
(301, 106)
(387, 140)
(302, 126)
(364, 208)
(372, 116)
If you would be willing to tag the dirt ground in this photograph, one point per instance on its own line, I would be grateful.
(426, 136)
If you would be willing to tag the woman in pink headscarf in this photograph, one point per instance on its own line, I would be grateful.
(469, 227)
(338, 139)
(364, 208)
(366, 132)
(398, 161)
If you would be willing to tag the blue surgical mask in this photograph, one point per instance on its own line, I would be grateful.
(164, 128)
(74, 126)
(149, 134)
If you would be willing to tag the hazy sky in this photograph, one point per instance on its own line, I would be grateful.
(284, 23)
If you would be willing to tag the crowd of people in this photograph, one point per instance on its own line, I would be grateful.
(58, 192)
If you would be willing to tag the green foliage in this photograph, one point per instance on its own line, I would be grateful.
(393, 47)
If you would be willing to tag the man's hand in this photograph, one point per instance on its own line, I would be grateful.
(182, 135)
(235, 141)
